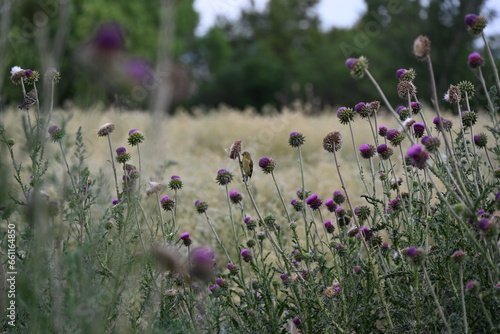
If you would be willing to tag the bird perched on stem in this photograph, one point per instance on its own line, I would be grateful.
(29, 99)
(247, 165)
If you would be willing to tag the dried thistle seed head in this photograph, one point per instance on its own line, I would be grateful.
(421, 47)
(332, 142)
(153, 188)
(105, 129)
(235, 150)
(467, 89)
(345, 115)
(17, 74)
(405, 89)
(453, 95)
(296, 139)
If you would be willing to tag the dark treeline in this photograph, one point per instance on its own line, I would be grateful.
(274, 57)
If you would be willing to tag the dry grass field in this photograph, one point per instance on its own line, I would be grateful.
(194, 146)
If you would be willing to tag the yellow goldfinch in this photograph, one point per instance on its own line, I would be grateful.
(247, 165)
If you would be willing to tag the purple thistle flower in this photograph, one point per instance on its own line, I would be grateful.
(481, 140)
(214, 288)
(382, 130)
(220, 281)
(330, 228)
(296, 321)
(121, 150)
(349, 63)
(314, 202)
(115, 201)
(296, 139)
(418, 130)
(358, 107)
(395, 204)
(186, 239)
(485, 225)
(167, 203)
(267, 164)
(223, 177)
(418, 156)
(384, 151)
(338, 197)
(401, 72)
(250, 223)
(356, 270)
(470, 19)
(235, 197)
(412, 252)
(367, 151)
(109, 38)
(459, 256)
(331, 205)
(284, 277)
(475, 60)
(416, 107)
(246, 255)
(201, 206)
(395, 137)
(472, 286)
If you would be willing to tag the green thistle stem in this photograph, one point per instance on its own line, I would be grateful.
(436, 301)
(357, 158)
(162, 222)
(281, 198)
(462, 298)
(492, 61)
(368, 252)
(231, 217)
(217, 238)
(67, 166)
(114, 167)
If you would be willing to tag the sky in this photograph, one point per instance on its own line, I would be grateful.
(338, 13)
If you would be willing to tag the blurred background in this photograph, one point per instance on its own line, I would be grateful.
(161, 55)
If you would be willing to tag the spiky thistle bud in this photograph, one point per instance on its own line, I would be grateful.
(31, 77)
(135, 137)
(384, 151)
(235, 197)
(481, 140)
(416, 107)
(338, 197)
(296, 139)
(358, 66)
(405, 75)
(367, 151)
(297, 205)
(52, 75)
(382, 130)
(122, 156)
(223, 177)
(362, 212)
(467, 89)
(56, 133)
(330, 228)
(431, 143)
(167, 203)
(331, 205)
(469, 118)
(403, 113)
(395, 137)
(186, 239)
(476, 23)
(267, 164)
(345, 115)
(201, 206)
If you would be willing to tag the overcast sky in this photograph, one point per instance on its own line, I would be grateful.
(339, 13)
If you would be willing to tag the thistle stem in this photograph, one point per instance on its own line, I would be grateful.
(114, 167)
(438, 305)
(462, 298)
(492, 60)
